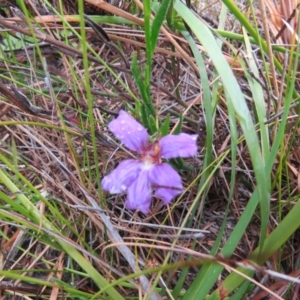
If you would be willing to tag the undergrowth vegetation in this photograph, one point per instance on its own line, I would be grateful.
(226, 72)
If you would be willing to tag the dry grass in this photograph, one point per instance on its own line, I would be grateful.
(55, 153)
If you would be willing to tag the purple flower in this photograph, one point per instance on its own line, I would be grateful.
(139, 176)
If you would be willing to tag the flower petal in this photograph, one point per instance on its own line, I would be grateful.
(122, 177)
(129, 131)
(166, 182)
(139, 194)
(181, 145)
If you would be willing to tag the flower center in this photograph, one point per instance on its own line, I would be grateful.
(151, 154)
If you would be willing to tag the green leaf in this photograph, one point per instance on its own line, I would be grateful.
(152, 123)
(143, 87)
(157, 23)
(145, 117)
(178, 128)
(165, 127)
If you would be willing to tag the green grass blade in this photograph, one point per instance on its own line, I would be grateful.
(238, 101)
(209, 118)
(289, 224)
(253, 32)
(99, 280)
(273, 242)
(210, 272)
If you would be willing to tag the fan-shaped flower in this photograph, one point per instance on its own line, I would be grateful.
(138, 177)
